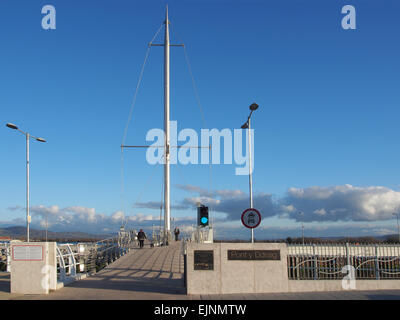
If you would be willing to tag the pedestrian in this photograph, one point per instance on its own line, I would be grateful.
(176, 232)
(141, 236)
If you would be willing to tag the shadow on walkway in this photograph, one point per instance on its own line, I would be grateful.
(5, 282)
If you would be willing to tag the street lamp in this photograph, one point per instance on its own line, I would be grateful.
(28, 136)
(302, 225)
(252, 107)
(398, 227)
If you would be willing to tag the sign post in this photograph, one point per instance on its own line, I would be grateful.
(251, 218)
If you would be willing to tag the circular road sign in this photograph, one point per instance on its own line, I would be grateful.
(251, 218)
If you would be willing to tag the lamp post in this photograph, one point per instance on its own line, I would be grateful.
(302, 225)
(252, 107)
(28, 136)
(398, 227)
(47, 225)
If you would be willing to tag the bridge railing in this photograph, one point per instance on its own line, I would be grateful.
(69, 258)
(326, 261)
(89, 257)
(202, 234)
(82, 257)
(5, 257)
(156, 238)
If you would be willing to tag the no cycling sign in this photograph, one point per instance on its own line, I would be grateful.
(251, 218)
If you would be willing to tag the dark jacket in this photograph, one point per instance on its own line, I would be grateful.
(141, 235)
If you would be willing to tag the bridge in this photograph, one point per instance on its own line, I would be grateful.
(157, 273)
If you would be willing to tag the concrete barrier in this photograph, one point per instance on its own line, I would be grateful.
(222, 268)
(235, 273)
(33, 267)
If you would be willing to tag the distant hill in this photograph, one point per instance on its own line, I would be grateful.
(34, 234)
(390, 238)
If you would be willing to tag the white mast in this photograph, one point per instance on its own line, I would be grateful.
(167, 215)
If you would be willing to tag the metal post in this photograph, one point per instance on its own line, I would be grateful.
(250, 177)
(166, 131)
(377, 273)
(250, 173)
(348, 254)
(47, 226)
(160, 230)
(27, 136)
(247, 125)
(8, 252)
(27, 188)
(315, 277)
(302, 225)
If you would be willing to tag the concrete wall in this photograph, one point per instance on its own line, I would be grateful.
(236, 276)
(35, 274)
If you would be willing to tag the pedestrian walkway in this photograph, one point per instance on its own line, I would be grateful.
(158, 274)
(148, 273)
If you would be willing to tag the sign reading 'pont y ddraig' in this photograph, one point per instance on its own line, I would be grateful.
(254, 255)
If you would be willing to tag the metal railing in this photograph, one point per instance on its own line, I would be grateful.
(84, 257)
(5, 257)
(90, 257)
(202, 235)
(156, 238)
(67, 260)
(326, 261)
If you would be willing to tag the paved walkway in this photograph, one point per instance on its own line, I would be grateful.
(157, 274)
(148, 274)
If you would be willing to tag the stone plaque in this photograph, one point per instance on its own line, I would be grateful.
(27, 253)
(254, 255)
(203, 260)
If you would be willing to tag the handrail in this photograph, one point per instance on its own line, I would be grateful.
(326, 261)
(93, 257)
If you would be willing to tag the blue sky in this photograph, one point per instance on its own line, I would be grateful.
(326, 132)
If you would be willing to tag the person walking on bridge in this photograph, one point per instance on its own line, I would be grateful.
(141, 236)
(176, 232)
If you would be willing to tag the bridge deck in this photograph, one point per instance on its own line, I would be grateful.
(157, 274)
(148, 273)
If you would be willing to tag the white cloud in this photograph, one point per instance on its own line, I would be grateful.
(321, 212)
(83, 213)
(140, 217)
(230, 202)
(343, 203)
(118, 216)
(336, 204)
(79, 218)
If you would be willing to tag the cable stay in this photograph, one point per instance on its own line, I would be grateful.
(165, 190)
(138, 85)
(196, 93)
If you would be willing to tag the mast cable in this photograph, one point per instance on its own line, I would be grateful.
(196, 93)
(129, 120)
(138, 85)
